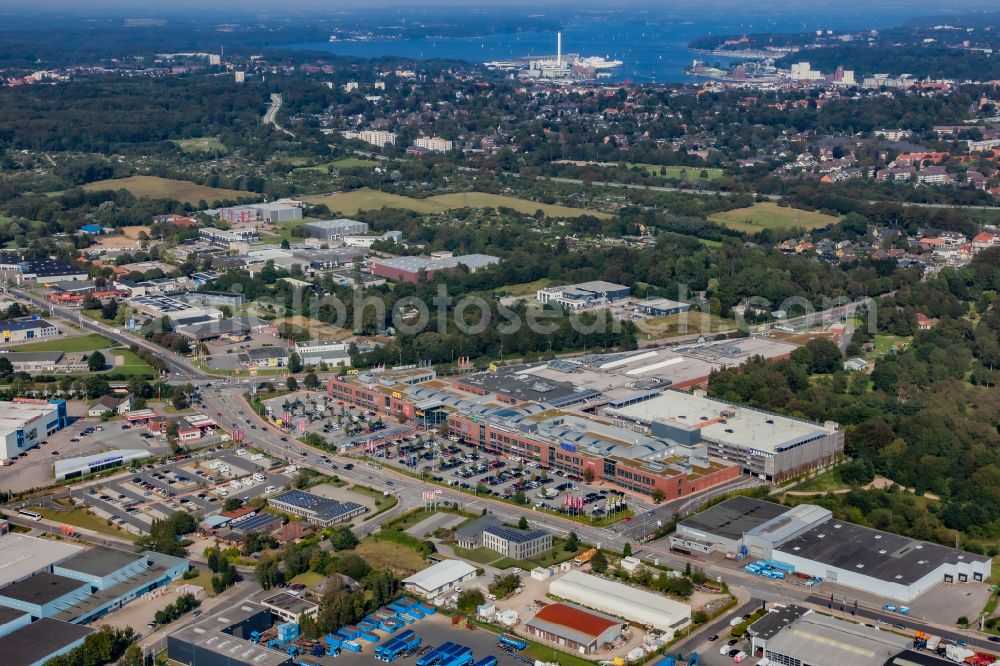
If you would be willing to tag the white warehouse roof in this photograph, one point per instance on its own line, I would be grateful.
(441, 575)
(639, 606)
(22, 555)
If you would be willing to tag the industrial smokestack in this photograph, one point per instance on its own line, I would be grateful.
(558, 49)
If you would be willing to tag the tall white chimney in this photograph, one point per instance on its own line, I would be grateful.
(558, 49)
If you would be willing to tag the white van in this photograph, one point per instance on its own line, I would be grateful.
(257, 456)
(241, 452)
(258, 477)
(235, 485)
(270, 489)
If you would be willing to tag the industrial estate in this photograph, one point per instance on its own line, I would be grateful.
(428, 336)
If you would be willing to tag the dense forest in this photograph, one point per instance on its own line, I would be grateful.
(114, 115)
(928, 416)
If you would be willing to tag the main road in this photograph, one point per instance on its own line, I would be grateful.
(179, 366)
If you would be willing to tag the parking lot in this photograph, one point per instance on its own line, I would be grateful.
(436, 630)
(456, 464)
(84, 436)
(197, 484)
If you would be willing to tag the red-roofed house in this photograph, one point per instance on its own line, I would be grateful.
(983, 240)
(925, 323)
(575, 627)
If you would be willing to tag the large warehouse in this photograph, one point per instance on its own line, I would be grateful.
(766, 445)
(810, 539)
(412, 269)
(329, 230)
(575, 627)
(645, 608)
(440, 577)
(821, 640)
(89, 583)
(27, 329)
(25, 422)
(223, 639)
(23, 556)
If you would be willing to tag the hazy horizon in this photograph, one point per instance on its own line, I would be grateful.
(129, 7)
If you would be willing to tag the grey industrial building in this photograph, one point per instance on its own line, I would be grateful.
(314, 508)
(34, 643)
(223, 639)
(329, 230)
(768, 446)
(512, 542)
(815, 639)
(810, 539)
(27, 328)
(583, 294)
(661, 307)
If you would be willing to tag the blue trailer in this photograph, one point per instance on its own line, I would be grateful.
(365, 636)
(487, 661)
(434, 655)
(512, 642)
(427, 610)
(352, 646)
(463, 658)
(415, 612)
(787, 568)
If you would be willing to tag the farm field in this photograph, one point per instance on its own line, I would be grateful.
(349, 203)
(82, 343)
(205, 144)
(769, 215)
(166, 188)
(526, 206)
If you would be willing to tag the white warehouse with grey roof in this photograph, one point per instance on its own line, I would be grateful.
(769, 446)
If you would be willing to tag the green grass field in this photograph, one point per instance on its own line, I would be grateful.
(343, 163)
(205, 144)
(166, 188)
(350, 203)
(528, 207)
(401, 560)
(885, 343)
(309, 578)
(82, 518)
(82, 343)
(131, 365)
(769, 215)
(679, 172)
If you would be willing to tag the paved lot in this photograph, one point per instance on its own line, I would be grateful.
(344, 494)
(434, 630)
(433, 523)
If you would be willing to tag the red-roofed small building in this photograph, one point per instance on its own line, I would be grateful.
(575, 627)
(983, 240)
(925, 323)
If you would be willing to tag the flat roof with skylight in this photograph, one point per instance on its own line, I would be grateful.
(718, 421)
(22, 555)
(881, 555)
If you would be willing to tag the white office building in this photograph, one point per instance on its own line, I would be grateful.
(25, 422)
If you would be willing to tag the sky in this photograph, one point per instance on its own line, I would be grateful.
(141, 7)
